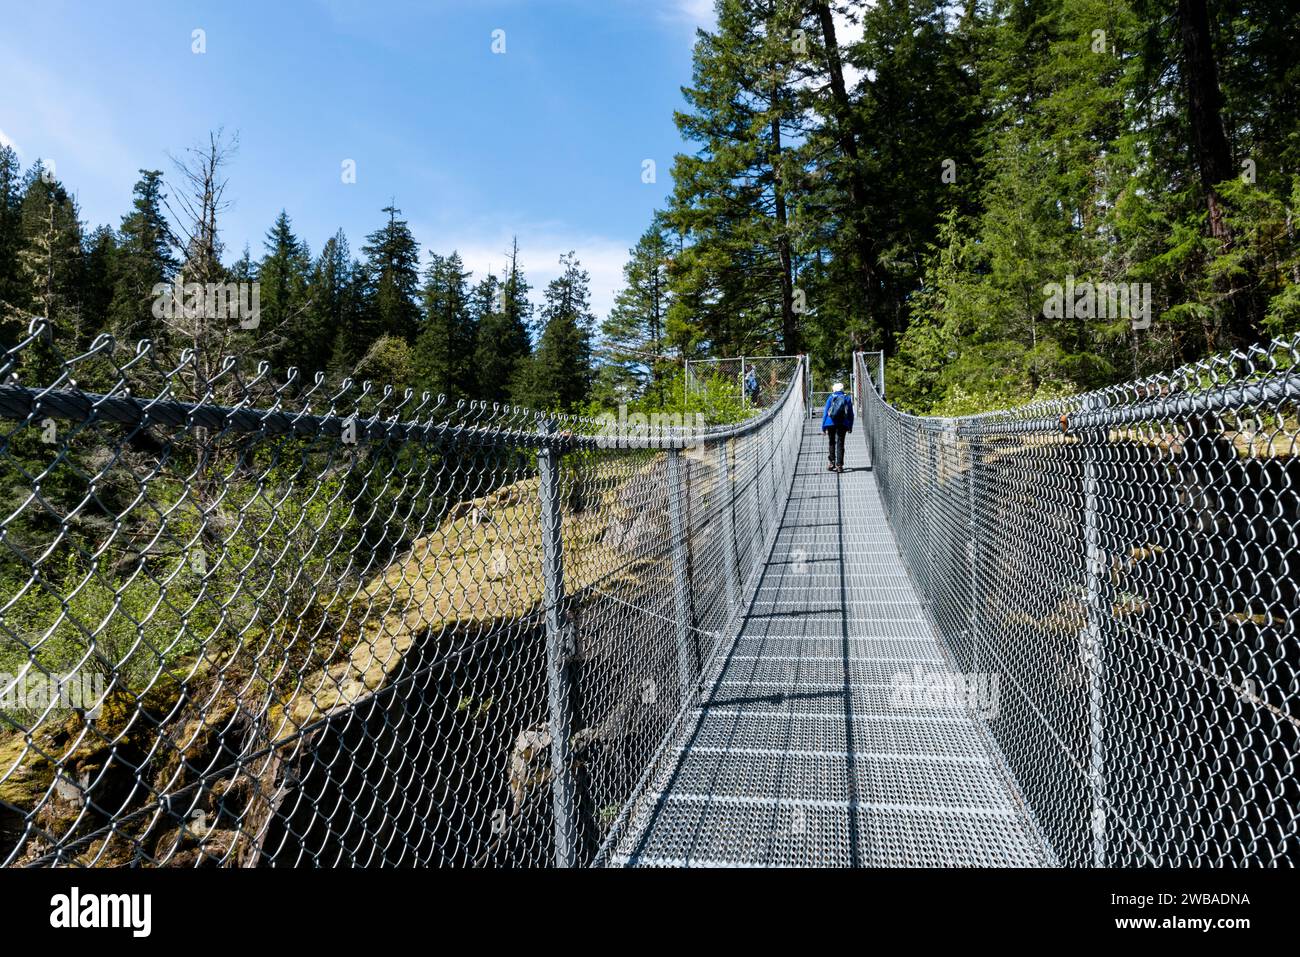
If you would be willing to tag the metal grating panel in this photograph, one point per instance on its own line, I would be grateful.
(801, 753)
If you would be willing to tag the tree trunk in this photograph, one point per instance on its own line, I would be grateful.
(1237, 324)
(848, 134)
(789, 327)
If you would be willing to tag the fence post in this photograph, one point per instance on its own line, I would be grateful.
(557, 653)
(681, 574)
(1092, 640)
(772, 511)
(972, 454)
(882, 373)
(729, 525)
(759, 518)
(868, 423)
(932, 487)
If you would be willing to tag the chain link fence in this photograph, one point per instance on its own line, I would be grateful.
(760, 380)
(818, 397)
(248, 621)
(1125, 563)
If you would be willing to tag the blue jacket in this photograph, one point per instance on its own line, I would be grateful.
(846, 416)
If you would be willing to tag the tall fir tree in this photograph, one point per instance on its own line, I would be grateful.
(921, 101)
(51, 259)
(334, 302)
(144, 260)
(735, 280)
(392, 281)
(99, 275)
(562, 366)
(283, 276)
(443, 357)
(504, 345)
(13, 285)
(634, 333)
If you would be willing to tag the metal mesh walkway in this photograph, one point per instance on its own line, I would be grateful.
(799, 753)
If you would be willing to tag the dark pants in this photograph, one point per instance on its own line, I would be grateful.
(836, 434)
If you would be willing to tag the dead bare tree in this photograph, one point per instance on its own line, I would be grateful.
(220, 349)
(219, 344)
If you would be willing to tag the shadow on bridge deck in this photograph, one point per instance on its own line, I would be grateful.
(798, 754)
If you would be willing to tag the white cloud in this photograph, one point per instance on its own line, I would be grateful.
(699, 11)
(694, 13)
(5, 140)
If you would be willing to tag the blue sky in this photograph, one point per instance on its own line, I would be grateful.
(545, 141)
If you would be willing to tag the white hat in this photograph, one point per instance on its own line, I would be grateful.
(838, 387)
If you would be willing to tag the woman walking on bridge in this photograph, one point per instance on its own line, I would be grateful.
(837, 422)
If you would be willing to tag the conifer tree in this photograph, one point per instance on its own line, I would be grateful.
(503, 349)
(283, 276)
(634, 333)
(13, 287)
(392, 281)
(99, 275)
(51, 262)
(334, 303)
(732, 196)
(144, 259)
(562, 365)
(443, 357)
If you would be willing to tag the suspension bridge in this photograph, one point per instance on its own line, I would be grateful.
(798, 754)
(366, 627)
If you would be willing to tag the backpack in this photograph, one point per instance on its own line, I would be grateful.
(835, 409)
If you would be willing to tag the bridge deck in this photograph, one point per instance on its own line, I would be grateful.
(795, 756)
